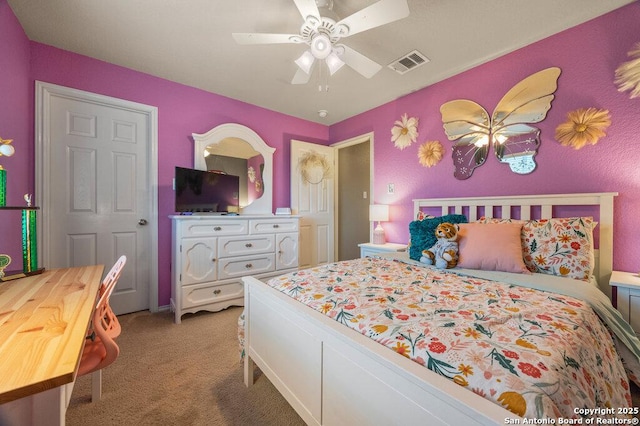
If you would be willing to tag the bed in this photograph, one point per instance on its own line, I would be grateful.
(335, 365)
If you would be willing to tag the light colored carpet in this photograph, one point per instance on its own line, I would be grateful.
(179, 374)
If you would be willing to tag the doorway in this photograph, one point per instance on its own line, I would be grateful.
(354, 159)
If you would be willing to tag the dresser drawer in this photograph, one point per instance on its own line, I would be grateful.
(255, 244)
(235, 267)
(202, 294)
(214, 228)
(269, 226)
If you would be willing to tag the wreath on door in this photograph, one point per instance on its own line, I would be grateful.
(314, 167)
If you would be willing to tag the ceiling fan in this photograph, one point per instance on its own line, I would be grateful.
(322, 34)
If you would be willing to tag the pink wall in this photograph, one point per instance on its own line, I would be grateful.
(182, 110)
(15, 123)
(588, 56)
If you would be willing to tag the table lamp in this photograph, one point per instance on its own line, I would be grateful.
(378, 213)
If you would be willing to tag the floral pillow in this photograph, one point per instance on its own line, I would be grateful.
(558, 246)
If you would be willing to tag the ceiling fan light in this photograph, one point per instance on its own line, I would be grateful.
(334, 63)
(321, 46)
(305, 61)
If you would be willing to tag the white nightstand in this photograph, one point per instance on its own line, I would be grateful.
(625, 293)
(370, 249)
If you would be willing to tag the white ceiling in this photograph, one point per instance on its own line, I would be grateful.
(190, 42)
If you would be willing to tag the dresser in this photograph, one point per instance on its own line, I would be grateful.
(210, 255)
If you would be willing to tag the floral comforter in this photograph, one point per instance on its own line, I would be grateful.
(538, 354)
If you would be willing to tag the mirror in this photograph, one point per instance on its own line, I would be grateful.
(237, 150)
(509, 129)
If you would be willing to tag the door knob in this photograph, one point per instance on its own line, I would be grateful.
(142, 222)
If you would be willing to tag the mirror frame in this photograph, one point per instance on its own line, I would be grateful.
(262, 205)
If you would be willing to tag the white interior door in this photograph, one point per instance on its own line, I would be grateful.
(99, 198)
(312, 197)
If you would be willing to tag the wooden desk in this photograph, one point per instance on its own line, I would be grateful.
(43, 324)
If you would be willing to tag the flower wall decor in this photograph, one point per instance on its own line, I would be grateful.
(251, 172)
(404, 131)
(430, 153)
(628, 73)
(583, 126)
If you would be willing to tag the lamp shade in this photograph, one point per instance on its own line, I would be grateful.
(334, 63)
(305, 61)
(378, 213)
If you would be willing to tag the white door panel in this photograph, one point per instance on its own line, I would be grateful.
(314, 202)
(100, 199)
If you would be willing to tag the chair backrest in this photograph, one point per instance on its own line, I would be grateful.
(111, 279)
(112, 349)
(109, 320)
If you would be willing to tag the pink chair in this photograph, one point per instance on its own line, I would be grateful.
(109, 282)
(100, 349)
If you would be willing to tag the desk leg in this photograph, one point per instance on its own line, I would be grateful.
(40, 409)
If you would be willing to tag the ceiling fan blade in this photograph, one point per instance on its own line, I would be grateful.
(301, 77)
(359, 62)
(307, 8)
(380, 13)
(259, 38)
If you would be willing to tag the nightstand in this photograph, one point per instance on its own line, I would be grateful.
(370, 249)
(625, 292)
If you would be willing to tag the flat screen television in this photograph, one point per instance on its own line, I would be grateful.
(202, 191)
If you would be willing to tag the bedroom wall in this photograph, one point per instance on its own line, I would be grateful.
(15, 111)
(588, 56)
(182, 110)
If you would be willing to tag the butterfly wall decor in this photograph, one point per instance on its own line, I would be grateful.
(515, 141)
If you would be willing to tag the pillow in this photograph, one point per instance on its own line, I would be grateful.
(491, 247)
(422, 232)
(558, 246)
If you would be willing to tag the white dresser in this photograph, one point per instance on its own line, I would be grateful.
(210, 255)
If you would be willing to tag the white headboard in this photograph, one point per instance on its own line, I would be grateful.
(542, 207)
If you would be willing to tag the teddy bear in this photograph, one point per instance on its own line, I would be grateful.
(444, 253)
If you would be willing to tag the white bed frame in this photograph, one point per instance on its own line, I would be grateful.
(333, 375)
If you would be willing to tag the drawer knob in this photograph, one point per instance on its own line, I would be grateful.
(217, 291)
(213, 260)
(217, 228)
(248, 245)
(276, 225)
(248, 266)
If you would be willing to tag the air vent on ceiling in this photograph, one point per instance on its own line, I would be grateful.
(408, 62)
